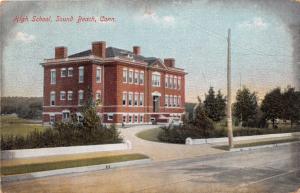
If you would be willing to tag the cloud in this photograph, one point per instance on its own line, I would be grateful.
(162, 20)
(24, 37)
(256, 23)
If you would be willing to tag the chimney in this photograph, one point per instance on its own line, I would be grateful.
(137, 50)
(169, 62)
(61, 52)
(99, 49)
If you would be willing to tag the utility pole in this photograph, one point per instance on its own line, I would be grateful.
(229, 113)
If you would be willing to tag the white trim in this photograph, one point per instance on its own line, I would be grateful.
(155, 93)
(156, 73)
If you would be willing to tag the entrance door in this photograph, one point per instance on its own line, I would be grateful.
(156, 103)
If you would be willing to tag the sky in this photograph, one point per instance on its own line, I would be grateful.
(193, 32)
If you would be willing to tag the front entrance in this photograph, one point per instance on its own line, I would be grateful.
(156, 103)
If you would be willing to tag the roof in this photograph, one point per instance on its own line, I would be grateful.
(116, 52)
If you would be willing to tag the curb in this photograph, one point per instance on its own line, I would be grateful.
(41, 174)
(262, 146)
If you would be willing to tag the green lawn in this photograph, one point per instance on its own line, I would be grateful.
(12, 125)
(225, 147)
(150, 134)
(28, 168)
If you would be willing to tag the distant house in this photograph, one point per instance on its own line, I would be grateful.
(127, 86)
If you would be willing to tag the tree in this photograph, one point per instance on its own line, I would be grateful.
(245, 107)
(221, 106)
(214, 106)
(201, 122)
(291, 105)
(272, 105)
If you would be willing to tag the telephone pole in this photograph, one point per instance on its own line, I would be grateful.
(229, 113)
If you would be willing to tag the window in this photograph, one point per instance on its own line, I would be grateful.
(52, 119)
(80, 97)
(62, 95)
(179, 101)
(175, 82)
(98, 97)
(156, 80)
(135, 118)
(81, 74)
(63, 72)
(70, 95)
(166, 100)
(171, 101)
(179, 82)
(124, 118)
(65, 115)
(124, 98)
(171, 82)
(141, 118)
(98, 75)
(136, 77)
(141, 77)
(125, 72)
(53, 76)
(130, 78)
(70, 72)
(175, 101)
(141, 99)
(136, 98)
(52, 98)
(130, 96)
(130, 118)
(166, 81)
(110, 117)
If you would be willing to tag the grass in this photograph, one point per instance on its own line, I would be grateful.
(36, 167)
(259, 143)
(13, 125)
(150, 134)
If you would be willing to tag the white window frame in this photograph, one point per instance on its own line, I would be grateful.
(179, 82)
(171, 81)
(167, 100)
(141, 99)
(130, 120)
(141, 118)
(136, 77)
(52, 93)
(70, 70)
(63, 112)
(63, 72)
(53, 120)
(175, 82)
(53, 79)
(70, 95)
(110, 117)
(130, 99)
(98, 74)
(98, 95)
(124, 98)
(171, 101)
(141, 77)
(125, 75)
(80, 93)
(135, 118)
(156, 78)
(124, 118)
(130, 76)
(136, 99)
(175, 101)
(179, 101)
(62, 95)
(166, 81)
(81, 69)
